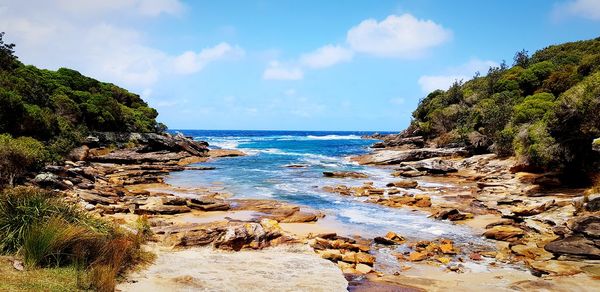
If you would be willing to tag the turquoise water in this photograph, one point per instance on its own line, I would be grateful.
(262, 174)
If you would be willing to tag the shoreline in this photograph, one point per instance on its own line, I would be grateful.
(222, 211)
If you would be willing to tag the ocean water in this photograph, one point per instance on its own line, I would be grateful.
(262, 174)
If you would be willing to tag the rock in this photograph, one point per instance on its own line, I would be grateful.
(94, 198)
(390, 157)
(422, 201)
(554, 267)
(593, 205)
(162, 209)
(79, 153)
(416, 256)
(532, 251)
(447, 247)
(452, 215)
(333, 255)
(408, 184)
(173, 200)
(408, 173)
(364, 258)
(346, 268)
(574, 245)
(596, 144)
(475, 256)
(390, 238)
(433, 166)
(130, 156)
(532, 210)
(363, 269)
(18, 265)
(206, 204)
(588, 225)
(251, 235)
(49, 180)
(504, 233)
(344, 174)
(398, 140)
(296, 166)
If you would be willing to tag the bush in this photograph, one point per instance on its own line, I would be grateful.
(47, 231)
(18, 156)
(533, 108)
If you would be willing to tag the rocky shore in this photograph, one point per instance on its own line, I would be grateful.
(539, 232)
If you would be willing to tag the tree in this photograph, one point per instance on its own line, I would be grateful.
(7, 54)
(521, 59)
(19, 155)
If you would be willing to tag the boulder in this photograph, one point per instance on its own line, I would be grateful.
(344, 174)
(390, 238)
(50, 180)
(452, 215)
(399, 140)
(207, 204)
(554, 267)
(363, 269)
(333, 255)
(504, 233)
(416, 256)
(94, 198)
(237, 237)
(574, 245)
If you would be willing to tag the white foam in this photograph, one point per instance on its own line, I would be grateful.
(334, 137)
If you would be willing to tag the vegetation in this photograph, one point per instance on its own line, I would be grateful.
(61, 107)
(49, 232)
(545, 109)
(18, 156)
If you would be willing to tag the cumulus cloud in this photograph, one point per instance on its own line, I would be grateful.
(402, 36)
(465, 71)
(81, 35)
(588, 9)
(191, 62)
(278, 71)
(326, 56)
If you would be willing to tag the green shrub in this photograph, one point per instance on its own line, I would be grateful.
(18, 156)
(533, 108)
(21, 208)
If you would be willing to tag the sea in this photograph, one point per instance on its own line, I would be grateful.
(263, 174)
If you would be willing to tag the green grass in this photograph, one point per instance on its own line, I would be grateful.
(40, 279)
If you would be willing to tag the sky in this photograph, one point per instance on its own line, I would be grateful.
(287, 65)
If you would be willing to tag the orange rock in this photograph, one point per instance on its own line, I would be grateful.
(417, 256)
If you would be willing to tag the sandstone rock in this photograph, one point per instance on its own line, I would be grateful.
(447, 246)
(532, 251)
(574, 245)
(504, 233)
(403, 184)
(554, 267)
(173, 200)
(588, 225)
(408, 173)
(207, 204)
(363, 269)
(390, 157)
(344, 174)
(416, 256)
(452, 215)
(364, 258)
(593, 205)
(161, 209)
(390, 238)
(433, 166)
(331, 254)
(397, 140)
(532, 210)
(94, 198)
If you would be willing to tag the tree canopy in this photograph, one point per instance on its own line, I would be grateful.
(545, 109)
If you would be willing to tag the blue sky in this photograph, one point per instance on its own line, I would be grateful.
(289, 65)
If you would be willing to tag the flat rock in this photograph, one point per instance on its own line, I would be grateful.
(389, 157)
(344, 174)
(574, 245)
(404, 184)
(588, 225)
(504, 233)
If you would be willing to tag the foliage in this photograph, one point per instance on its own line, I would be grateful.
(18, 156)
(545, 109)
(61, 107)
(49, 232)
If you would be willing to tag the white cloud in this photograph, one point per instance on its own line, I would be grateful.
(277, 71)
(84, 36)
(191, 62)
(464, 72)
(401, 36)
(326, 56)
(588, 9)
